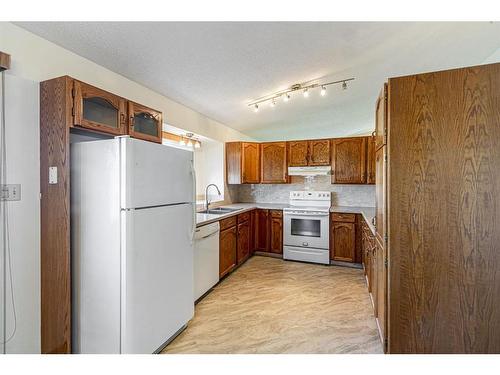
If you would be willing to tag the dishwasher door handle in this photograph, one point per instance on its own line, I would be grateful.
(209, 235)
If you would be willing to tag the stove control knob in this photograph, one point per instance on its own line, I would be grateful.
(305, 243)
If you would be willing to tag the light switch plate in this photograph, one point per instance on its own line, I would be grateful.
(52, 175)
(11, 192)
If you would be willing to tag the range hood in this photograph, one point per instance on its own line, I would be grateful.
(310, 171)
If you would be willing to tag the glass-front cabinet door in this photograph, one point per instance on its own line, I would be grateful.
(97, 109)
(144, 123)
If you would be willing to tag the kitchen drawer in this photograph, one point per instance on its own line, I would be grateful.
(245, 216)
(276, 213)
(227, 223)
(344, 218)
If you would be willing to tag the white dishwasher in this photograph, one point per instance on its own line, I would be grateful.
(206, 258)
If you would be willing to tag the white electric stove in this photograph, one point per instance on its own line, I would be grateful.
(306, 227)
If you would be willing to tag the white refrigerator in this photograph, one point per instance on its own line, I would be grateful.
(132, 227)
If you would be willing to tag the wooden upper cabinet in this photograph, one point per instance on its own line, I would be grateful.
(309, 153)
(144, 123)
(319, 152)
(349, 160)
(381, 118)
(273, 163)
(96, 109)
(370, 160)
(298, 153)
(242, 163)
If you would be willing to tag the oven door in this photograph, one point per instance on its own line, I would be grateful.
(307, 229)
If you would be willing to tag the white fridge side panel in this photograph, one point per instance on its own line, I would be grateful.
(157, 276)
(95, 246)
(155, 174)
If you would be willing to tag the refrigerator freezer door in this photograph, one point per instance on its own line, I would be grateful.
(154, 174)
(157, 275)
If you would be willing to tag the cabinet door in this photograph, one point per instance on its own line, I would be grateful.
(381, 289)
(97, 109)
(250, 163)
(370, 160)
(380, 194)
(227, 250)
(374, 277)
(273, 163)
(298, 153)
(276, 235)
(349, 160)
(319, 152)
(343, 237)
(243, 242)
(144, 123)
(261, 230)
(252, 232)
(381, 118)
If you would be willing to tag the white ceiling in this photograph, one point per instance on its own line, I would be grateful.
(217, 68)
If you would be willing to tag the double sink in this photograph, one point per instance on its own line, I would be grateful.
(219, 211)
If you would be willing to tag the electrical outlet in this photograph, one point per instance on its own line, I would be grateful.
(10, 192)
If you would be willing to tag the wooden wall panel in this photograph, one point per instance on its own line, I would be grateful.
(55, 115)
(444, 212)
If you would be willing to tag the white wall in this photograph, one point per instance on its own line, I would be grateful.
(38, 59)
(23, 165)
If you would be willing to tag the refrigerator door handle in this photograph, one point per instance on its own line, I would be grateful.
(193, 174)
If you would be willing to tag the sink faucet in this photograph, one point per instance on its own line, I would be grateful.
(207, 203)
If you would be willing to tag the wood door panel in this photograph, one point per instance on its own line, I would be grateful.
(55, 258)
(380, 194)
(273, 163)
(262, 231)
(319, 152)
(370, 160)
(381, 118)
(343, 237)
(227, 250)
(243, 242)
(349, 160)
(250, 163)
(443, 211)
(276, 234)
(298, 153)
(381, 290)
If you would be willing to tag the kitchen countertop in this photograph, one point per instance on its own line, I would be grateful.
(202, 219)
(368, 213)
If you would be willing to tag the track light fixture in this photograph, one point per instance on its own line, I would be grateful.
(189, 140)
(285, 94)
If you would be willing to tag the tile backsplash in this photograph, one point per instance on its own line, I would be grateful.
(342, 195)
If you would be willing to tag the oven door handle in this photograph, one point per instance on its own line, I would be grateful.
(307, 214)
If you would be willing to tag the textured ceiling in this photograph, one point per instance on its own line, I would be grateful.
(216, 68)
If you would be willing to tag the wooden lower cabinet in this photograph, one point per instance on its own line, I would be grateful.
(381, 287)
(227, 250)
(243, 242)
(343, 237)
(276, 232)
(262, 230)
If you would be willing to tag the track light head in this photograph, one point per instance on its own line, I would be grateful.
(344, 85)
(306, 93)
(323, 91)
(256, 108)
(286, 97)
